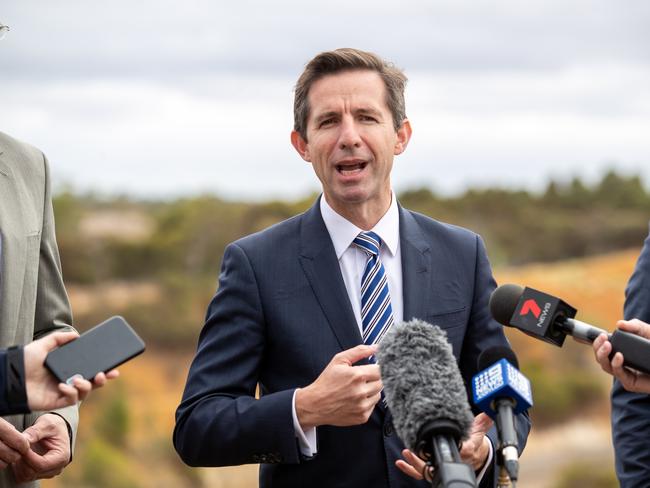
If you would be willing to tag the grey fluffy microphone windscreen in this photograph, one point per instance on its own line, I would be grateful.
(422, 383)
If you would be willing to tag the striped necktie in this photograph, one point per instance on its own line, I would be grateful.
(376, 310)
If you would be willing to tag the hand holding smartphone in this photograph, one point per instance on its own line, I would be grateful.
(100, 349)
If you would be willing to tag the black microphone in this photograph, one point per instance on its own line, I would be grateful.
(501, 391)
(427, 398)
(550, 319)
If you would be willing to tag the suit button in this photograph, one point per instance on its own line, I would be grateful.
(388, 429)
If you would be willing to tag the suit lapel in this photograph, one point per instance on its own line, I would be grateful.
(321, 267)
(318, 260)
(416, 266)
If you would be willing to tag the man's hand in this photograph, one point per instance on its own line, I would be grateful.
(631, 380)
(474, 451)
(50, 449)
(411, 465)
(13, 444)
(343, 394)
(44, 392)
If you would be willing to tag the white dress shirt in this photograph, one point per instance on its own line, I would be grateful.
(352, 262)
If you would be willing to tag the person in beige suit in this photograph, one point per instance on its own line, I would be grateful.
(33, 303)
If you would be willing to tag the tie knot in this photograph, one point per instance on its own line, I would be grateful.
(369, 242)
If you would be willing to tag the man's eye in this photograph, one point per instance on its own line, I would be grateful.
(326, 122)
(368, 118)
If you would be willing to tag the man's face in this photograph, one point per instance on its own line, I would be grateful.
(351, 140)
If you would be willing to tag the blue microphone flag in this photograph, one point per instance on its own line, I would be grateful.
(501, 380)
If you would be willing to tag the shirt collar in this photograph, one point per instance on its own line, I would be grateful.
(343, 232)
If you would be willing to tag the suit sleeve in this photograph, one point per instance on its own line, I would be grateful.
(220, 421)
(5, 406)
(53, 311)
(631, 411)
(484, 332)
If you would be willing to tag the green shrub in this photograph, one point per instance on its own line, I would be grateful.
(106, 467)
(113, 421)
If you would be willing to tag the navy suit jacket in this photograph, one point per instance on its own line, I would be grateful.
(282, 312)
(631, 411)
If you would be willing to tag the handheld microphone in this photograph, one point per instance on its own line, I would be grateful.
(501, 391)
(427, 397)
(550, 319)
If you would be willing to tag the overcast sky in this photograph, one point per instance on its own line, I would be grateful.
(161, 98)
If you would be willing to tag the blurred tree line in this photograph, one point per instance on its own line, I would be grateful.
(567, 220)
(181, 252)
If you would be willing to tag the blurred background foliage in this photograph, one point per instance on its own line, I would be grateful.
(157, 264)
(178, 244)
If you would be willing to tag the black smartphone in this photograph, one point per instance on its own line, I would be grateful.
(99, 349)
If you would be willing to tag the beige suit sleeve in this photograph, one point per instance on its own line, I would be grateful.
(53, 310)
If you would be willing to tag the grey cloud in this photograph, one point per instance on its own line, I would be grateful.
(172, 39)
(166, 97)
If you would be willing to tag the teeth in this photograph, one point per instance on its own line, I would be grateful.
(351, 168)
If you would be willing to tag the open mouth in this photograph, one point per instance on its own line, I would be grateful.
(351, 168)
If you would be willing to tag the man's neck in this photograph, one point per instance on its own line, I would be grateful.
(365, 215)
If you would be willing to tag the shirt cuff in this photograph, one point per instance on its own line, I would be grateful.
(487, 464)
(306, 439)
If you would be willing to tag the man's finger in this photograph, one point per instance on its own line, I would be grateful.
(370, 372)
(407, 469)
(34, 461)
(112, 374)
(355, 354)
(373, 388)
(99, 380)
(482, 423)
(57, 339)
(630, 380)
(602, 356)
(82, 388)
(8, 455)
(13, 439)
(636, 326)
(599, 341)
(34, 434)
(69, 395)
(23, 473)
(411, 465)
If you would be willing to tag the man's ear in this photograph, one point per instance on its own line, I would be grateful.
(403, 137)
(301, 145)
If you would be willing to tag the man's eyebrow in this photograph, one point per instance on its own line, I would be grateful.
(358, 111)
(326, 115)
(368, 111)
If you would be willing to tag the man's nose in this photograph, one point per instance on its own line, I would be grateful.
(349, 137)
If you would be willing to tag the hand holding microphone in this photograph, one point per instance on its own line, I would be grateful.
(550, 319)
(501, 391)
(613, 362)
(426, 395)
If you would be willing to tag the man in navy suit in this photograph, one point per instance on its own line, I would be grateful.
(291, 312)
(630, 399)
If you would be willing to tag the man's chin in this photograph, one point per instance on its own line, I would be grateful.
(354, 196)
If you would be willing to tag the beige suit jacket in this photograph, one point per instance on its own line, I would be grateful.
(33, 300)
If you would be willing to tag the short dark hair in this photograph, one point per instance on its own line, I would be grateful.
(348, 59)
